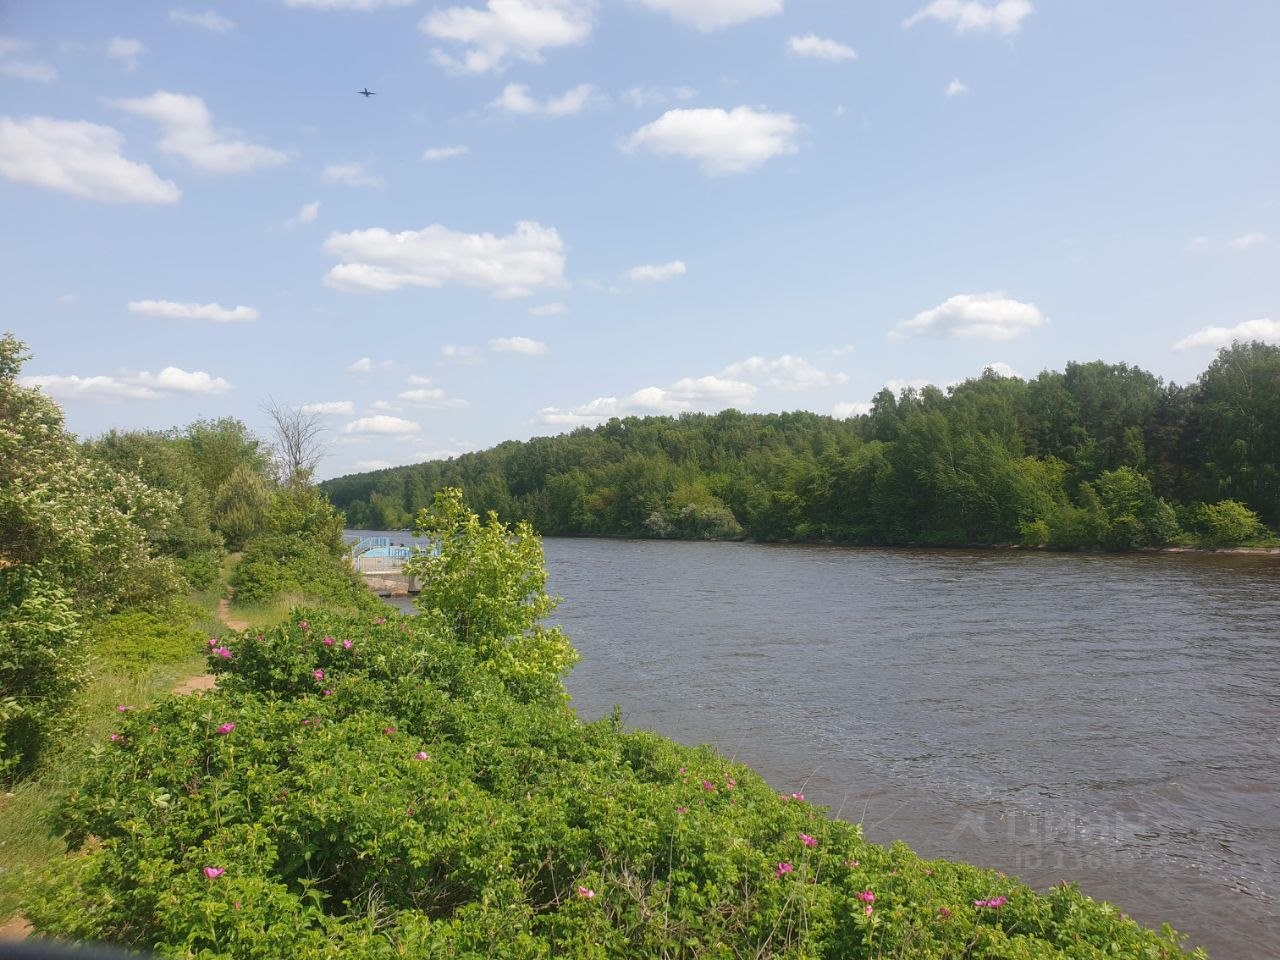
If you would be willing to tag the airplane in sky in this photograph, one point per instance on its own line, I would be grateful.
(366, 92)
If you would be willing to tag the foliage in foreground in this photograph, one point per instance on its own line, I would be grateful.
(75, 541)
(363, 786)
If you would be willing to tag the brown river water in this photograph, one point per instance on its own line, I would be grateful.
(1108, 720)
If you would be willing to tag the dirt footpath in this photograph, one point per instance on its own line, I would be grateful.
(205, 681)
(15, 928)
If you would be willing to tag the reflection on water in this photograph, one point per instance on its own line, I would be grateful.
(1105, 719)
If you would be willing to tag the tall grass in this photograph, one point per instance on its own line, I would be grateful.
(276, 610)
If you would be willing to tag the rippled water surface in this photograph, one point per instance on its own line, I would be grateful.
(1111, 720)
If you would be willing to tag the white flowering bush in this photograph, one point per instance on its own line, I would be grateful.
(74, 544)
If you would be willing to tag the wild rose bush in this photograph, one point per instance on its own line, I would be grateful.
(364, 787)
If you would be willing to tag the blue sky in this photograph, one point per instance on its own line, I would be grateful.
(556, 211)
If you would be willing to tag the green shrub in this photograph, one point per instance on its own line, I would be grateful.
(41, 665)
(1227, 523)
(201, 569)
(134, 641)
(291, 563)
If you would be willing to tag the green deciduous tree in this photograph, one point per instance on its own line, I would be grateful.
(485, 583)
(1236, 419)
(241, 505)
(1226, 522)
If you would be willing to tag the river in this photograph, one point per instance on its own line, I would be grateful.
(1112, 720)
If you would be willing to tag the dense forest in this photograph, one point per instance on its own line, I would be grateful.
(1097, 455)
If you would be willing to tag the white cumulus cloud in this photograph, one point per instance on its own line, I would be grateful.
(641, 97)
(515, 265)
(786, 373)
(985, 316)
(505, 30)
(734, 386)
(170, 310)
(820, 48)
(307, 213)
(955, 88)
(126, 50)
(330, 408)
(79, 158)
(898, 385)
(525, 345)
(445, 153)
(721, 141)
(1214, 338)
(515, 98)
(177, 380)
(382, 424)
(37, 71)
(461, 355)
(657, 272)
(1247, 241)
(368, 365)
(209, 20)
(136, 386)
(352, 175)
(707, 15)
(1004, 16)
(433, 397)
(690, 393)
(103, 388)
(842, 411)
(359, 6)
(189, 134)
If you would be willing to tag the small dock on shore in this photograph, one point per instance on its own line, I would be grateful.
(381, 563)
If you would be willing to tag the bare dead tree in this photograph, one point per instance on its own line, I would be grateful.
(299, 442)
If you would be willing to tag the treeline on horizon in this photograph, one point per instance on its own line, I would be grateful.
(1097, 455)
